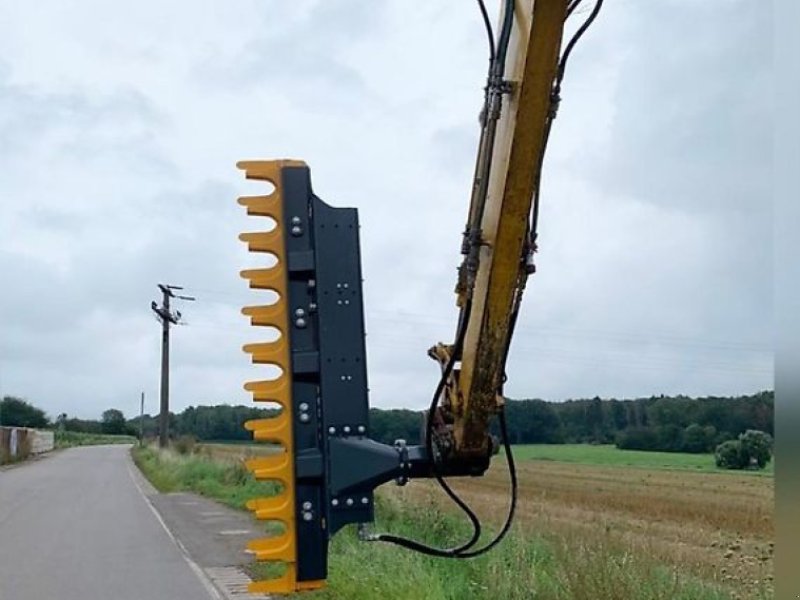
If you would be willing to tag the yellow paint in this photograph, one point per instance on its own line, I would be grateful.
(278, 429)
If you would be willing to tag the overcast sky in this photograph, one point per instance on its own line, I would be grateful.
(121, 123)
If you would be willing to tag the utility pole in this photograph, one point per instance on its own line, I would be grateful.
(141, 422)
(167, 318)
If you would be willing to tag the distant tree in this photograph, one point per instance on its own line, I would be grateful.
(16, 412)
(729, 455)
(757, 446)
(637, 438)
(698, 439)
(61, 421)
(752, 449)
(114, 422)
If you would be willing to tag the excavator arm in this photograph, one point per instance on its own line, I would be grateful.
(498, 248)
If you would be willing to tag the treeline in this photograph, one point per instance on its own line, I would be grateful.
(677, 424)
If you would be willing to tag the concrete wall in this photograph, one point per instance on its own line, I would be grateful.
(41, 441)
(17, 443)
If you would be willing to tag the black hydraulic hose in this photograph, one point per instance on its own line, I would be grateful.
(430, 551)
(505, 37)
(575, 38)
(489, 31)
(572, 6)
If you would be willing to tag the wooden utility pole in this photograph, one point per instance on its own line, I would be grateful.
(167, 318)
(141, 422)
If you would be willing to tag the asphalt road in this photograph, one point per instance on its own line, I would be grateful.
(77, 526)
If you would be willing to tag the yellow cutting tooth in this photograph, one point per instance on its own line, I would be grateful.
(275, 466)
(280, 547)
(272, 278)
(264, 241)
(268, 315)
(285, 584)
(262, 206)
(269, 353)
(273, 390)
(272, 429)
(267, 170)
(274, 508)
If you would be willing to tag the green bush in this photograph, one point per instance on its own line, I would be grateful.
(757, 445)
(752, 449)
(729, 455)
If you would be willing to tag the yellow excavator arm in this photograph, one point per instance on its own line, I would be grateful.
(498, 246)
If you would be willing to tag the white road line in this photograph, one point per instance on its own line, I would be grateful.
(210, 588)
(236, 532)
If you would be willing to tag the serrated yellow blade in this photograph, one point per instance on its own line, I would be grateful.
(269, 353)
(271, 278)
(276, 429)
(264, 241)
(277, 467)
(274, 508)
(280, 547)
(274, 390)
(268, 315)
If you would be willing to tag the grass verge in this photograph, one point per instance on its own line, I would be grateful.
(525, 566)
(68, 439)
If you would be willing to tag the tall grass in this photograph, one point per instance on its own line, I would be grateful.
(225, 480)
(522, 567)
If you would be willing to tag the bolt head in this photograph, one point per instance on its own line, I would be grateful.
(303, 406)
(296, 221)
(307, 516)
(299, 312)
(349, 502)
(347, 429)
(312, 283)
(306, 505)
(361, 429)
(331, 430)
(301, 323)
(335, 502)
(297, 231)
(364, 500)
(304, 418)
